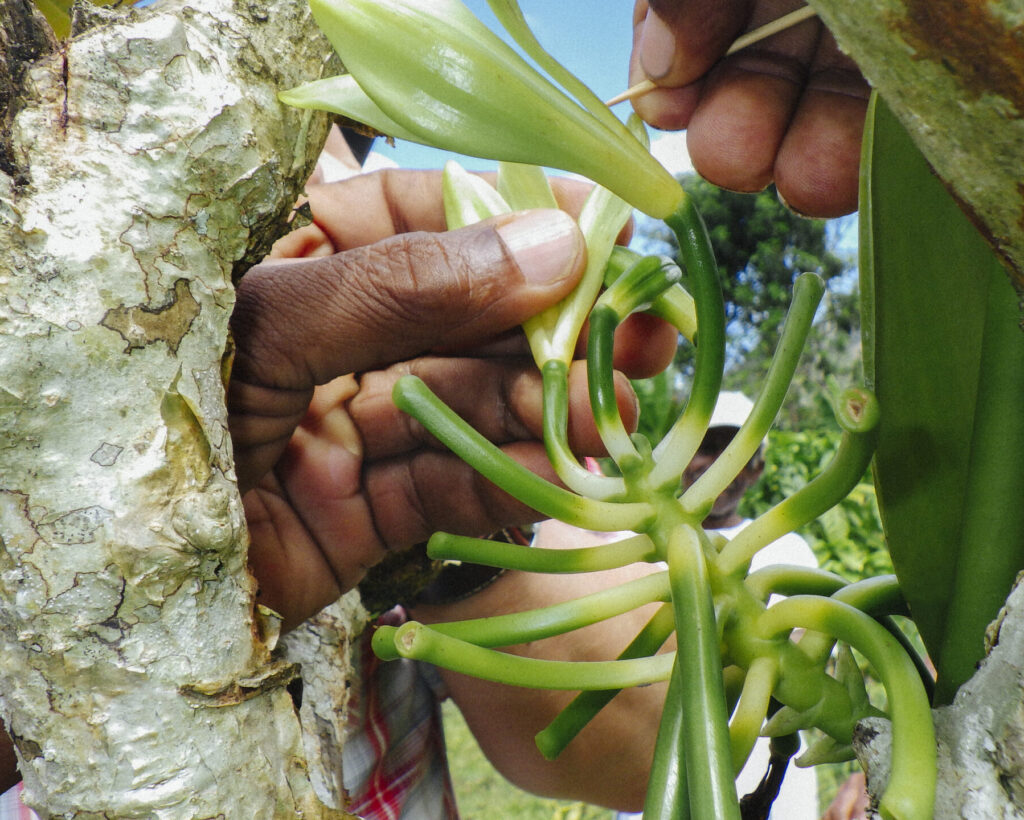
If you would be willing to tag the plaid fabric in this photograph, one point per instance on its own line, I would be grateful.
(395, 766)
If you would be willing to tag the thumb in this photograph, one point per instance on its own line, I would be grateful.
(301, 324)
(678, 42)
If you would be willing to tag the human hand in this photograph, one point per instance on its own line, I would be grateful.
(334, 475)
(851, 800)
(789, 109)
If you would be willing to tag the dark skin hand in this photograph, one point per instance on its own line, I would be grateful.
(789, 109)
(334, 476)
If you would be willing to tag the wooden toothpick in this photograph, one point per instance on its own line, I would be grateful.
(751, 37)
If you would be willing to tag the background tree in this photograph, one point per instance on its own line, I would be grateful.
(761, 246)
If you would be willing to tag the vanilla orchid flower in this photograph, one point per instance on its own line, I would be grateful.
(429, 71)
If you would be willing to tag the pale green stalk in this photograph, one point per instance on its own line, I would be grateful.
(644, 281)
(807, 292)
(447, 547)
(910, 794)
(748, 716)
(790, 579)
(668, 794)
(556, 619)
(553, 739)
(677, 307)
(555, 376)
(412, 396)
(419, 642)
(677, 448)
(857, 412)
(705, 746)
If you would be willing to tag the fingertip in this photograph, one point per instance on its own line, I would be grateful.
(668, 109)
(818, 166)
(546, 245)
(644, 345)
(656, 46)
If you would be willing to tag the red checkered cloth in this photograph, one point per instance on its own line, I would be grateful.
(395, 764)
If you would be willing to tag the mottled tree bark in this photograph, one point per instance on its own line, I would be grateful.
(143, 163)
(953, 71)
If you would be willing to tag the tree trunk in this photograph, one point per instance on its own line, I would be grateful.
(953, 72)
(144, 162)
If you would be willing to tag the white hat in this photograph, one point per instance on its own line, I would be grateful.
(731, 410)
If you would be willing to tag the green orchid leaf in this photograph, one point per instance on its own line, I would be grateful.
(468, 199)
(342, 95)
(945, 357)
(511, 17)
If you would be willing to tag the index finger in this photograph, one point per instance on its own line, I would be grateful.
(366, 208)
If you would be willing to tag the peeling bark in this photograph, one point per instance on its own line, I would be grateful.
(953, 72)
(145, 163)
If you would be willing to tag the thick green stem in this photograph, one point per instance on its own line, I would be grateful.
(555, 375)
(678, 308)
(444, 546)
(678, 447)
(534, 625)
(706, 748)
(635, 289)
(822, 493)
(790, 579)
(413, 397)
(414, 640)
(910, 794)
(674, 305)
(667, 789)
(749, 715)
(807, 292)
(581, 710)
(601, 379)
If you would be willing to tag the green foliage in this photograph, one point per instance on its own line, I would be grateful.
(760, 247)
(944, 352)
(847, 539)
(483, 794)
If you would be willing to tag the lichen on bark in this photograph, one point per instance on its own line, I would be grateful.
(148, 163)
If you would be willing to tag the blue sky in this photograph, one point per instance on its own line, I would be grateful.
(594, 43)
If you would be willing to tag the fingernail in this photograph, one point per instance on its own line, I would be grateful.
(657, 47)
(544, 243)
